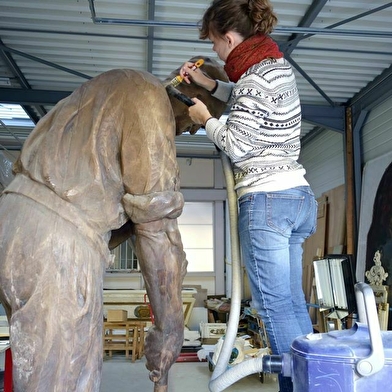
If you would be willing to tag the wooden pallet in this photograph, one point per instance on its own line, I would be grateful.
(127, 336)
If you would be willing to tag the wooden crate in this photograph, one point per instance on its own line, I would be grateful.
(117, 315)
(125, 336)
(130, 299)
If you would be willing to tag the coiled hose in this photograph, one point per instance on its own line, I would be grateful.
(222, 376)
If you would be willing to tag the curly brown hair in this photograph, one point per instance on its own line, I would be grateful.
(246, 17)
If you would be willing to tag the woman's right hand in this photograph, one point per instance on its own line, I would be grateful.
(190, 73)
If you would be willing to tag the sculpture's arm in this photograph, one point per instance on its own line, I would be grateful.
(163, 264)
(144, 208)
(152, 202)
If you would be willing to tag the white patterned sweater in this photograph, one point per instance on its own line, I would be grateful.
(261, 134)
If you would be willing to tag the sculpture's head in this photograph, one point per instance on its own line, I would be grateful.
(216, 107)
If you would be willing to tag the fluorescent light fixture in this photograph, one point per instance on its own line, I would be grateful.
(334, 279)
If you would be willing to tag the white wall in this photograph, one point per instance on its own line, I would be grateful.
(377, 132)
(323, 159)
(196, 173)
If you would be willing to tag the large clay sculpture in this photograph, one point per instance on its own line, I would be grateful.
(100, 166)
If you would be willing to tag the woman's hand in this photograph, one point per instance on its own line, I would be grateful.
(199, 112)
(190, 73)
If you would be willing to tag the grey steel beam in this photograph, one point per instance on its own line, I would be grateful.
(325, 116)
(150, 36)
(18, 74)
(361, 15)
(368, 51)
(309, 79)
(329, 117)
(373, 94)
(31, 97)
(342, 22)
(42, 61)
(277, 30)
(357, 156)
(307, 20)
(284, 30)
(12, 133)
(288, 47)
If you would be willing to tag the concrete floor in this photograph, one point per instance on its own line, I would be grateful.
(121, 375)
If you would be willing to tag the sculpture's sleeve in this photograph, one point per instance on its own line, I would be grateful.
(153, 202)
(153, 206)
(148, 151)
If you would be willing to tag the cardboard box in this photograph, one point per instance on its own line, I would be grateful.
(117, 315)
(209, 341)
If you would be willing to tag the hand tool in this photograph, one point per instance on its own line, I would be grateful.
(178, 79)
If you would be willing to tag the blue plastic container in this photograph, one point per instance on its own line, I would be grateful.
(358, 359)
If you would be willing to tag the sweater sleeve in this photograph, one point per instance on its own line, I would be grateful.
(223, 90)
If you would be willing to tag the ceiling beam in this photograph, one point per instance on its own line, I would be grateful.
(281, 30)
(278, 29)
(150, 36)
(377, 91)
(296, 38)
(288, 47)
(326, 116)
(18, 74)
(309, 79)
(309, 17)
(31, 97)
(42, 61)
(284, 30)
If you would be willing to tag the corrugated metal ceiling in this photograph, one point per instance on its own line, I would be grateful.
(340, 50)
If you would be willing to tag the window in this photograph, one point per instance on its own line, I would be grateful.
(196, 227)
(124, 259)
(197, 233)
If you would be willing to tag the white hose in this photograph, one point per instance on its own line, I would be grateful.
(223, 377)
(235, 373)
(218, 378)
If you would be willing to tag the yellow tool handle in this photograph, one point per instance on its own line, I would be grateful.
(178, 79)
(198, 64)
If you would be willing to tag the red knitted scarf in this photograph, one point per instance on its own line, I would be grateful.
(249, 52)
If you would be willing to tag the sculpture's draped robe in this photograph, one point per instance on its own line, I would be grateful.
(102, 156)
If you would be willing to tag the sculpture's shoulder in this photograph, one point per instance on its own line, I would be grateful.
(112, 86)
(125, 77)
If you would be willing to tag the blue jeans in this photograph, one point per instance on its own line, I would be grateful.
(272, 229)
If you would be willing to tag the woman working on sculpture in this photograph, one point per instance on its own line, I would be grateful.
(277, 209)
